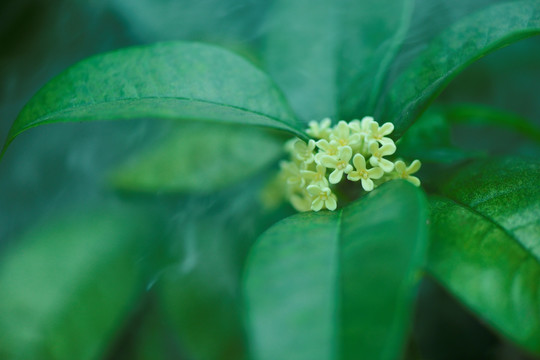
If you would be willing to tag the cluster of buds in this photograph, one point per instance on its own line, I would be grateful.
(355, 151)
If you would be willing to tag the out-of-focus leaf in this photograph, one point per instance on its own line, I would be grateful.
(338, 285)
(428, 140)
(70, 285)
(485, 244)
(200, 293)
(199, 158)
(463, 43)
(373, 33)
(484, 115)
(164, 80)
(326, 53)
(147, 337)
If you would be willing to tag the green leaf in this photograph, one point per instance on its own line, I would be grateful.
(326, 54)
(338, 285)
(475, 114)
(373, 35)
(197, 157)
(485, 245)
(166, 80)
(463, 43)
(70, 285)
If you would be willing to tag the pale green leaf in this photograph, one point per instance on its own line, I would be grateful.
(69, 286)
(196, 157)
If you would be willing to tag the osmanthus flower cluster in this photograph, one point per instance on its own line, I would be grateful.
(356, 151)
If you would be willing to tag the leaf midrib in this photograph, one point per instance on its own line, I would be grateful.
(180, 98)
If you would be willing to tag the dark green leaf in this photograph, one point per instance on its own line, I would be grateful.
(165, 80)
(199, 158)
(483, 115)
(429, 140)
(485, 245)
(326, 54)
(463, 43)
(70, 285)
(338, 285)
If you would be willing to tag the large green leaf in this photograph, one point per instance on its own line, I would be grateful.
(70, 285)
(197, 157)
(326, 54)
(485, 245)
(164, 80)
(463, 43)
(338, 285)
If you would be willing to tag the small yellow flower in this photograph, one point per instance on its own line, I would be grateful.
(342, 135)
(317, 177)
(378, 133)
(363, 174)
(292, 173)
(377, 154)
(308, 186)
(404, 172)
(340, 163)
(320, 130)
(328, 148)
(362, 127)
(301, 202)
(303, 151)
(322, 197)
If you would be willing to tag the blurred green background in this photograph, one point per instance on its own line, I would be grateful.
(175, 294)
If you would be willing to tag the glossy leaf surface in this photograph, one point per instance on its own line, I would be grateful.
(166, 80)
(338, 285)
(485, 245)
(463, 43)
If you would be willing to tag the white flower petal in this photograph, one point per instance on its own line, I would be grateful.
(328, 161)
(387, 149)
(375, 173)
(317, 204)
(353, 176)
(345, 153)
(414, 167)
(359, 162)
(386, 165)
(386, 128)
(400, 166)
(414, 180)
(367, 184)
(331, 203)
(314, 190)
(335, 176)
